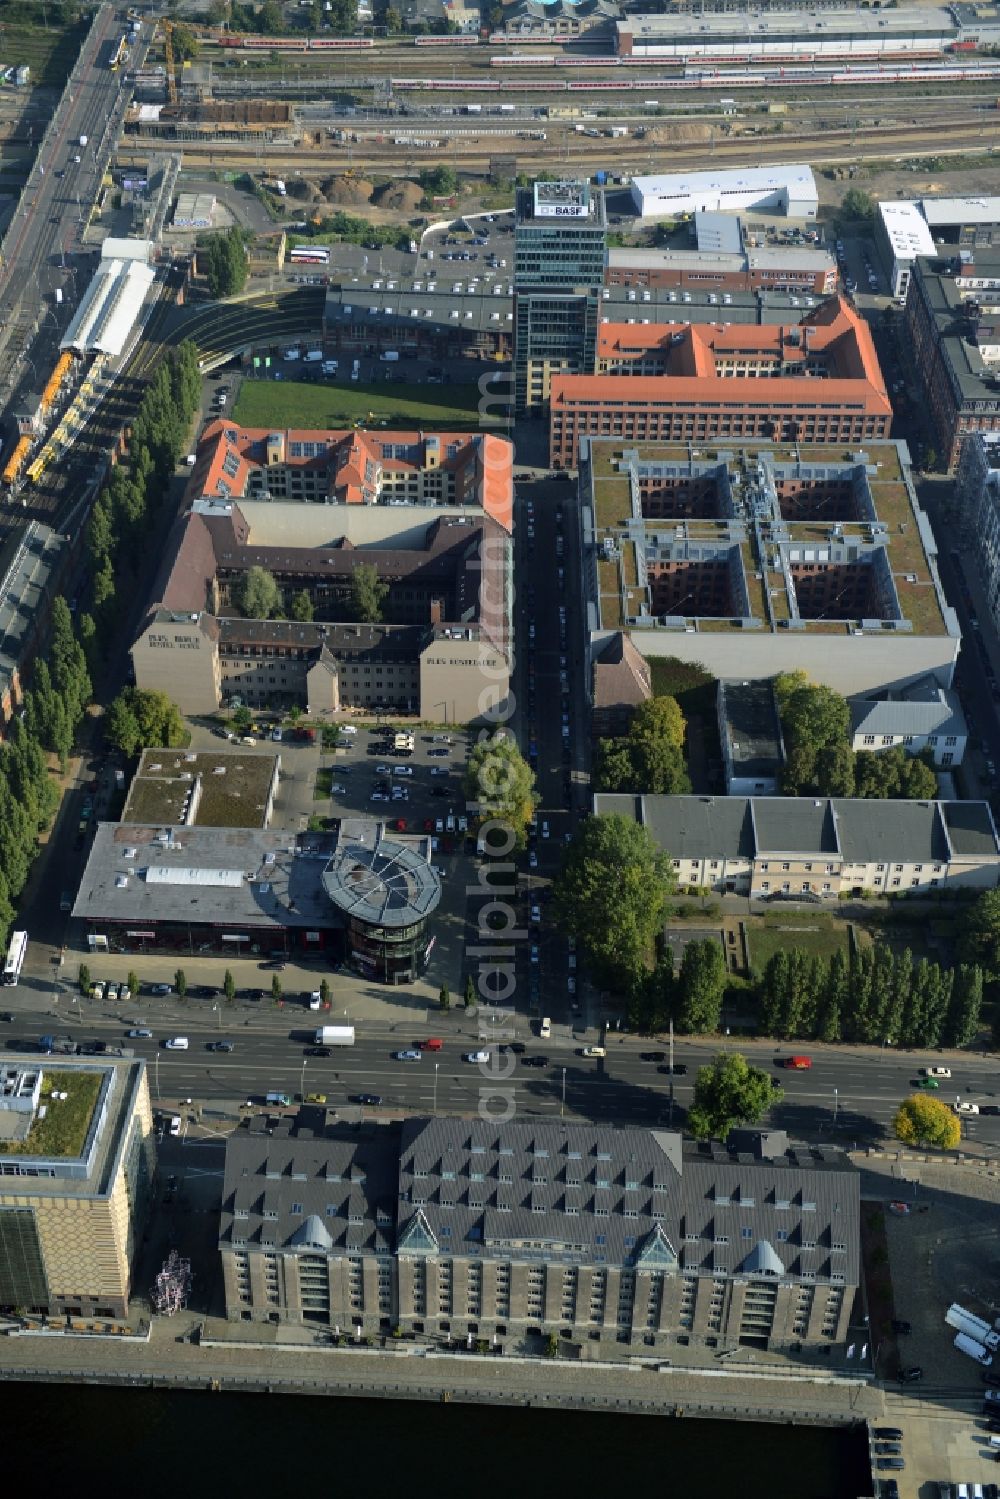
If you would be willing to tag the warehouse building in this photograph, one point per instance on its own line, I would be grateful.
(777, 36)
(966, 223)
(756, 558)
(462, 1231)
(818, 847)
(818, 381)
(73, 1204)
(788, 267)
(784, 189)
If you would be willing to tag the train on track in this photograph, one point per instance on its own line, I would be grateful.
(811, 76)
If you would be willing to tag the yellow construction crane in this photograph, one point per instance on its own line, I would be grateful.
(168, 50)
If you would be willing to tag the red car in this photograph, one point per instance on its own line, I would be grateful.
(428, 825)
(400, 824)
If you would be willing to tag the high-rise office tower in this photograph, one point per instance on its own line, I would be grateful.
(560, 243)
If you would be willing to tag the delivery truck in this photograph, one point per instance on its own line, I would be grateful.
(973, 1348)
(335, 1035)
(974, 1327)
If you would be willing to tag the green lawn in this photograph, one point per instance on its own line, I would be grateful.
(290, 403)
(324, 780)
(819, 934)
(64, 1129)
(49, 51)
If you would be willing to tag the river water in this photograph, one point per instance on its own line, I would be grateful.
(86, 1440)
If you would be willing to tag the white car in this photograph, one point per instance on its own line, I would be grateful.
(545, 830)
(139, 1035)
(177, 1043)
(593, 1051)
(175, 1124)
(338, 790)
(532, 860)
(967, 1108)
(571, 985)
(346, 728)
(476, 1056)
(407, 1056)
(402, 770)
(545, 1029)
(936, 1071)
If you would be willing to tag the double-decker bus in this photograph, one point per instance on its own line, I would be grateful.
(15, 957)
(120, 53)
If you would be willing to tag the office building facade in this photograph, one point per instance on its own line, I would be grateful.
(451, 1229)
(560, 239)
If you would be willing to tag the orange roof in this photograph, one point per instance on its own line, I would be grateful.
(833, 331)
(483, 465)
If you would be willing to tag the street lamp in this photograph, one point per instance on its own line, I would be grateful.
(156, 1075)
(302, 1081)
(835, 1108)
(435, 1108)
(218, 1011)
(562, 1104)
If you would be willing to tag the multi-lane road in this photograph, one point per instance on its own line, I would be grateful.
(847, 1094)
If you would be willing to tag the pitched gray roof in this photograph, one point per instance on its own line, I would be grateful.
(688, 827)
(927, 711)
(794, 825)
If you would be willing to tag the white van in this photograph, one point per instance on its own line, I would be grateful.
(177, 1043)
(356, 371)
(290, 355)
(314, 356)
(545, 1029)
(330, 366)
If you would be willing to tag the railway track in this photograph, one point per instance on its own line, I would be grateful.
(950, 137)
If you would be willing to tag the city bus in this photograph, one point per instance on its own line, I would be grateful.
(314, 254)
(15, 957)
(119, 55)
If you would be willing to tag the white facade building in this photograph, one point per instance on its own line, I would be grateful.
(785, 189)
(921, 716)
(902, 234)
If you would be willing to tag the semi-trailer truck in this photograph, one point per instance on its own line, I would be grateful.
(973, 1348)
(335, 1035)
(974, 1327)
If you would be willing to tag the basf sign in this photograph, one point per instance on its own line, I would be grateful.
(561, 211)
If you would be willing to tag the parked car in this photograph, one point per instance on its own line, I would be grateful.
(370, 1100)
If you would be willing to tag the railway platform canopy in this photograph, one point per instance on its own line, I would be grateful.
(110, 307)
(904, 30)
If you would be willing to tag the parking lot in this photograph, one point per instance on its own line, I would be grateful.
(413, 791)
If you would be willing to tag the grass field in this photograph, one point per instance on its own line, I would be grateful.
(49, 52)
(289, 403)
(819, 934)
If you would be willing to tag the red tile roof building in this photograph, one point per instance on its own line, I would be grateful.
(355, 467)
(700, 382)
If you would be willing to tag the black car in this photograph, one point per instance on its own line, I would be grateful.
(254, 994)
(989, 1108)
(278, 963)
(890, 1488)
(889, 1433)
(370, 1100)
(912, 1375)
(900, 1325)
(92, 1048)
(889, 1449)
(677, 1070)
(221, 1046)
(889, 1462)
(319, 1051)
(6, 1017)
(993, 1424)
(202, 991)
(534, 1061)
(653, 1056)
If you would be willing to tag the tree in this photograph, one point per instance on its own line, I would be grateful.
(83, 978)
(979, 937)
(612, 896)
(184, 42)
(857, 204)
(730, 1092)
(229, 986)
(834, 999)
(444, 998)
(438, 182)
(223, 258)
(139, 718)
(276, 989)
(132, 983)
(701, 983)
(242, 719)
(324, 993)
(368, 594)
(180, 983)
(301, 607)
(964, 1009)
(650, 757)
(499, 783)
(259, 596)
(470, 993)
(923, 1120)
(835, 770)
